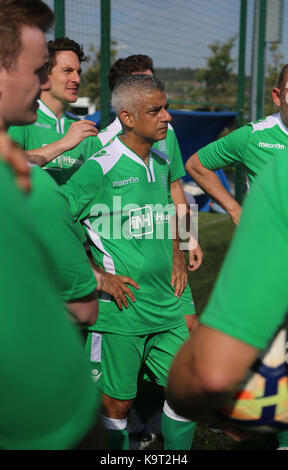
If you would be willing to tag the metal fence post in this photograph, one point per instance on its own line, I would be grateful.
(59, 9)
(105, 63)
(239, 170)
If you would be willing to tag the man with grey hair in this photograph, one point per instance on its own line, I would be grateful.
(130, 235)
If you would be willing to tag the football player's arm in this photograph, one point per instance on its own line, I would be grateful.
(205, 372)
(83, 188)
(85, 309)
(78, 131)
(211, 184)
(179, 273)
(183, 213)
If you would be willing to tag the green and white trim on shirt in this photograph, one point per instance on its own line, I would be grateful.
(125, 206)
(48, 129)
(168, 146)
(252, 145)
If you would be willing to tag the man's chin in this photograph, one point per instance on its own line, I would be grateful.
(161, 136)
(29, 118)
(72, 99)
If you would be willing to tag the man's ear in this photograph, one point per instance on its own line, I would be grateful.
(127, 118)
(276, 96)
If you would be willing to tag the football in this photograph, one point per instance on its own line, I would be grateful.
(260, 403)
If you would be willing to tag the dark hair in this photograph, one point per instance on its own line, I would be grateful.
(282, 75)
(133, 63)
(64, 44)
(14, 14)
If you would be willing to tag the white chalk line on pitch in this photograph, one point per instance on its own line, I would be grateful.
(216, 221)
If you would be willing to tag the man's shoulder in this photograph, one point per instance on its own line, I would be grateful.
(108, 134)
(266, 123)
(108, 156)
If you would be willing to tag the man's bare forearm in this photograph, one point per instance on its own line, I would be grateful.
(206, 371)
(44, 155)
(210, 183)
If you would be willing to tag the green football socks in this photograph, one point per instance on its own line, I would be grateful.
(177, 432)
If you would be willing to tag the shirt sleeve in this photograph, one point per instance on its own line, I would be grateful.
(73, 274)
(226, 151)
(176, 163)
(250, 298)
(93, 146)
(83, 187)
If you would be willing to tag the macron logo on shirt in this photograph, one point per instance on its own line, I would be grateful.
(42, 124)
(132, 179)
(271, 146)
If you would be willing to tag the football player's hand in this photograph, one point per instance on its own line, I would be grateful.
(79, 131)
(195, 258)
(16, 158)
(179, 273)
(117, 286)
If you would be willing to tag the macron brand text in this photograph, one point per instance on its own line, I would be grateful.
(132, 179)
(271, 146)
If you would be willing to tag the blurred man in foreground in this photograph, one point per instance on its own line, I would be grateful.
(47, 398)
(247, 306)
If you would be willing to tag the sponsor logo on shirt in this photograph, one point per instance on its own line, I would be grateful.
(141, 221)
(271, 146)
(67, 160)
(42, 124)
(118, 184)
(161, 217)
(158, 221)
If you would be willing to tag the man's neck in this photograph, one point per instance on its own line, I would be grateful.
(141, 148)
(56, 106)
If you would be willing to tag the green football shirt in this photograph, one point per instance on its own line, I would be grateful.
(53, 221)
(252, 145)
(48, 400)
(250, 298)
(168, 146)
(48, 129)
(125, 206)
(169, 149)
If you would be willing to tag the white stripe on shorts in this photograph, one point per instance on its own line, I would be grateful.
(96, 342)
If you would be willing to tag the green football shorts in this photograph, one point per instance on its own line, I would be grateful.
(187, 302)
(118, 362)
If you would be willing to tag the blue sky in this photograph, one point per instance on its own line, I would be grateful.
(175, 33)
